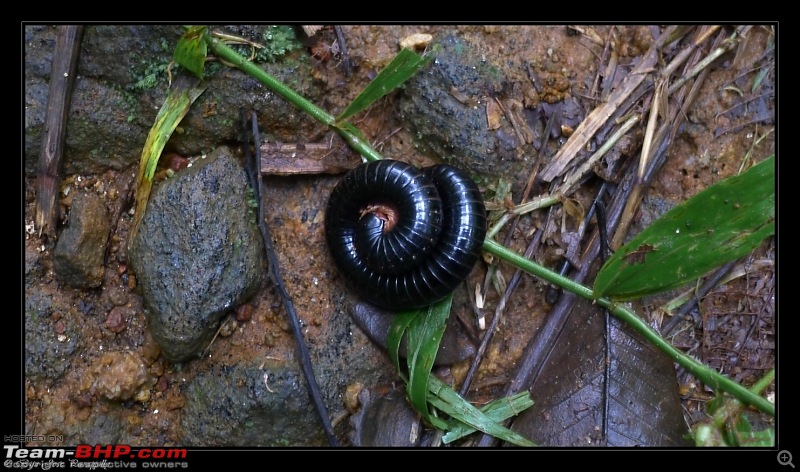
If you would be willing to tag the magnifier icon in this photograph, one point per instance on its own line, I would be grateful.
(785, 458)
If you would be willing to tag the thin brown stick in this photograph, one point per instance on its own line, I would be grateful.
(712, 281)
(702, 65)
(343, 50)
(498, 313)
(610, 68)
(62, 79)
(254, 175)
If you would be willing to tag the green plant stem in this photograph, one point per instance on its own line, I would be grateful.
(221, 50)
(708, 376)
(763, 382)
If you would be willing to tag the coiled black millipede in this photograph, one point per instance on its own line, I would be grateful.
(405, 237)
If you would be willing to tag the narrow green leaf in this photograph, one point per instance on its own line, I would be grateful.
(191, 50)
(175, 107)
(424, 335)
(497, 411)
(424, 329)
(402, 67)
(394, 338)
(172, 111)
(765, 438)
(722, 223)
(449, 401)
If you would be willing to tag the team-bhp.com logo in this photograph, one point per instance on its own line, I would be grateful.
(93, 457)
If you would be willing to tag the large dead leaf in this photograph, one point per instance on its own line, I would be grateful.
(578, 402)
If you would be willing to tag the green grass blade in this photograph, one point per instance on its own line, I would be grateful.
(722, 223)
(497, 411)
(424, 329)
(191, 50)
(172, 111)
(424, 335)
(449, 401)
(402, 67)
(395, 336)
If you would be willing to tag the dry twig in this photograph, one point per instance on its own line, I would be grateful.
(600, 115)
(62, 79)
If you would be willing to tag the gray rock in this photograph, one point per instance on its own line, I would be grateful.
(33, 267)
(49, 343)
(79, 252)
(117, 96)
(104, 426)
(266, 402)
(236, 406)
(445, 105)
(198, 253)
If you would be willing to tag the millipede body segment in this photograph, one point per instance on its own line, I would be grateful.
(405, 237)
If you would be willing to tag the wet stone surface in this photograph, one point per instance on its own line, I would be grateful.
(198, 253)
(51, 336)
(455, 89)
(245, 405)
(81, 248)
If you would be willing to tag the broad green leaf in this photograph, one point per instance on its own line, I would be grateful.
(449, 401)
(424, 335)
(402, 67)
(191, 50)
(722, 223)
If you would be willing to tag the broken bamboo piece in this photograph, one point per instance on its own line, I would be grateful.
(62, 79)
